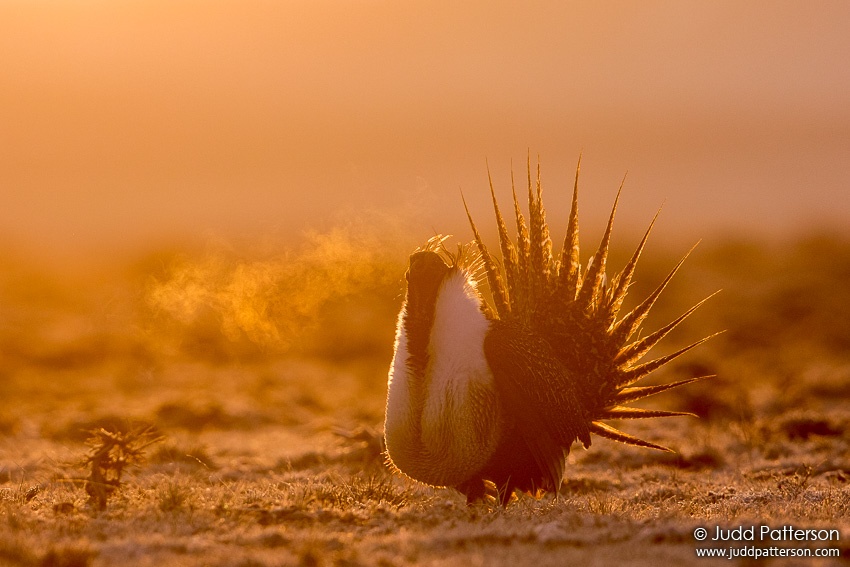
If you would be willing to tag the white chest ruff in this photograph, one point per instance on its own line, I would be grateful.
(450, 433)
(457, 363)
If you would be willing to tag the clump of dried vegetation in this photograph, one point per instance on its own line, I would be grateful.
(111, 452)
(272, 457)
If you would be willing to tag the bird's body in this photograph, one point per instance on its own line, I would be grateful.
(449, 371)
(480, 393)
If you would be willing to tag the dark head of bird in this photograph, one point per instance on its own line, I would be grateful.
(425, 275)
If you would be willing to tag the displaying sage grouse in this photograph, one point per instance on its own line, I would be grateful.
(482, 393)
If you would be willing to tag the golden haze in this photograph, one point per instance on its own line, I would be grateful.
(133, 124)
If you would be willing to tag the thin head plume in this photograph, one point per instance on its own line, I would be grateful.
(468, 258)
(436, 242)
(570, 274)
(462, 257)
(497, 287)
(589, 293)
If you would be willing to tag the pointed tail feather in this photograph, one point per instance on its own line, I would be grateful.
(509, 253)
(624, 328)
(605, 430)
(497, 287)
(586, 320)
(522, 246)
(632, 375)
(636, 350)
(634, 393)
(639, 413)
(570, 274)
(620, 286)
(540, 251)
(589, 294)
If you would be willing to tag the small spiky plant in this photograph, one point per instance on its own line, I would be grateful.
(482, 393)
(111, 452)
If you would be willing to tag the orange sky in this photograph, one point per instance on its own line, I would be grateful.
(124, 124)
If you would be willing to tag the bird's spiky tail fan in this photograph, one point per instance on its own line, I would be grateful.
(578, 311)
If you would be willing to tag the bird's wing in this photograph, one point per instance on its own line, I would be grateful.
(536, 390)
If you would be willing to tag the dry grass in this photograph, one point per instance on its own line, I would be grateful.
(271, 452)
